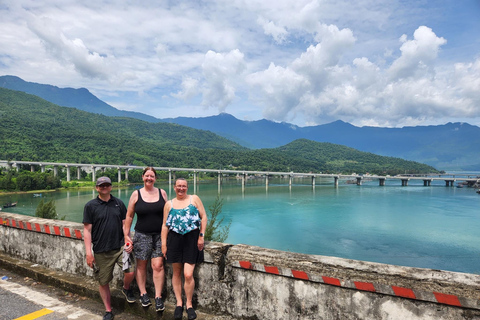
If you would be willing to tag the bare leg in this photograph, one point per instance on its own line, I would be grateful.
(158, 275)
(105, 294)
(127, 279)
(177, 282)
(189, 283)
(141, 275)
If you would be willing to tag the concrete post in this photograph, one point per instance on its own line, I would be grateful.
(119, 174)
(381, 182)
(359, 181)
(55, 171)
(79, 173)
(42, 168)
(194, 182)
(32, 168)
(68, 172)
(335, 181)
(313, 181)
(405, 182)
(290, 180)
(126, 174)
(93, 174)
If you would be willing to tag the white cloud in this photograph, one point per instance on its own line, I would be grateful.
(220, 71)
(302, 61)
(418, 55)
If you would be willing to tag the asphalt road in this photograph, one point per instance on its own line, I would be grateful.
(23, 297)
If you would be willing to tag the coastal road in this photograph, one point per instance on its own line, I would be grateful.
(23, 298)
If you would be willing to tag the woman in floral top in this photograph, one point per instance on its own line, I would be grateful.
(184, 224)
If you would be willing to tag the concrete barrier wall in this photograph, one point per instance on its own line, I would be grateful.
(249, 282)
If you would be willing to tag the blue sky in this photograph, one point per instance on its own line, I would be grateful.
(388, 63)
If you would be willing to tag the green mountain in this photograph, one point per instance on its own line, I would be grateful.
(33, 129)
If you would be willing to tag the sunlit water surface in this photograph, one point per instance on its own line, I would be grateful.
(430, 227)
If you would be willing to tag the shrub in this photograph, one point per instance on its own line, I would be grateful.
(214, 231)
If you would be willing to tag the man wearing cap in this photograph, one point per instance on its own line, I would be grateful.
(103, 219)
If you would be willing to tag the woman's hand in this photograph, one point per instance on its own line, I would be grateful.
(128, 245)
(164, 250)
(200, 243)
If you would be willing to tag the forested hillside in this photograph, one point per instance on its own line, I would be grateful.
(34, 129)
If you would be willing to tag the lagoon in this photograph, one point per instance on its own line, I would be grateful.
(429, 227)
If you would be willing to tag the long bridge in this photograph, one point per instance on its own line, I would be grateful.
(449, 179)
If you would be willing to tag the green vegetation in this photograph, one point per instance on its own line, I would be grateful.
(215, 231)
(47, 210)
(33, 129)
(12, 180)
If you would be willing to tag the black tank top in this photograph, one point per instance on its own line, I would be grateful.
(149, 214)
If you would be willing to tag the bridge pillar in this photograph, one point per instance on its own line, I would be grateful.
(335, 181)
(169, 177)
(405, 182)
(126, 174)
(68, 172)
(313, 181)
(359, 181)
(381, 182)
(449, 183)
(290, 180)
(119, 174)
(219, 178)
(55, 171)
(427, 182)
(244, 179)
(42, 168)
(79, 173)
(93, 174)
(266, 180)
(32, 168)
(194, 182)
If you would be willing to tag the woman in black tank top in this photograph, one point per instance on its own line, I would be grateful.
(148, 203)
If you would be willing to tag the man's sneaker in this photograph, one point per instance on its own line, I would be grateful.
(108, 316)
(128, 293)
(145, 300)
(178, 314)
(159, 306)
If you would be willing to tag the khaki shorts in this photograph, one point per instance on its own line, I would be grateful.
(106, 261)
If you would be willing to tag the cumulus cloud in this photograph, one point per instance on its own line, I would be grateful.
(220, 71)
(304, 61)
(69, 51)
(189, 89)
(418, 55)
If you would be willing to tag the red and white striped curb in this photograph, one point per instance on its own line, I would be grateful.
(435, 297)
(43, 228)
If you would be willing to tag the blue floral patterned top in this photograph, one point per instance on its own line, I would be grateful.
(184, 220)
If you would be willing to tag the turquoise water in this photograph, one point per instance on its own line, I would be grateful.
(429, 227)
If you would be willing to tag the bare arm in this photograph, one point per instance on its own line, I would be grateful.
(87, 239)
(127, 223)
(203, 216)
(166, 210)
(164, 195)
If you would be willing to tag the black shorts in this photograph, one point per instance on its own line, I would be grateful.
(183, 248)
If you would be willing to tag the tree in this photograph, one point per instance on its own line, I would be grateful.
(214, 231)
(47, 210)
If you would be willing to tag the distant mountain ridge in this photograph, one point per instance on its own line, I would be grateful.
(452, 146)
(81, 99)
